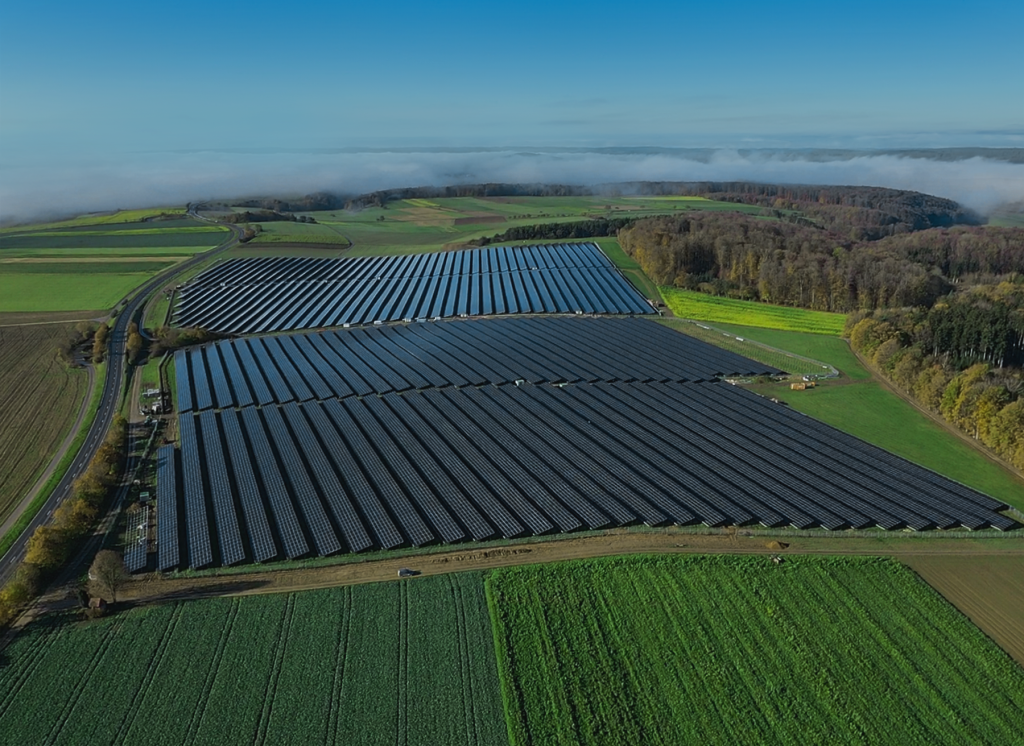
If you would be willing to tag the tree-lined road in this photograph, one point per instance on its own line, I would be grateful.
(110, 400)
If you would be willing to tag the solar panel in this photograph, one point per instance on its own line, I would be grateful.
(167, 523)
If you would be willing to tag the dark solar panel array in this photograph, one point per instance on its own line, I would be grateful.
(337, 365)
(249, 296)
(167, 545)
(137, 540)
(447, 465)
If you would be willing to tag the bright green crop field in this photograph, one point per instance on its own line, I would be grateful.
(688, 304)
(65, 292)
(737, 650)
(390, 663)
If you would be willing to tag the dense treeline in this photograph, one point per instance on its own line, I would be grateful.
(264, 216)
(955, 360)
(858, 213)
(962, 252)
(558, 231)
(772, 261)
(381, 198)
(755, 259)
(51, 545)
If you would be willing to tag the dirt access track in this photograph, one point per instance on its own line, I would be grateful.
(156, 589)
(982, 577)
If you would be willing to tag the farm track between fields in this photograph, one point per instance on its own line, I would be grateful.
(151, 589)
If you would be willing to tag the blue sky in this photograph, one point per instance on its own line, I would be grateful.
(136, 76)
(117, 104)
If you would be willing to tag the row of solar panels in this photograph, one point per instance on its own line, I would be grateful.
(378, 360)
(447, 465)
(303, 304)
(253, 271)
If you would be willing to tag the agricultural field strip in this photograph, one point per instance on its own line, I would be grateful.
(112, 240)
(40, 398)
(391, 663)
(726, 650)
(688, 304)
(262, 295)
(301, 367)
(444, 465)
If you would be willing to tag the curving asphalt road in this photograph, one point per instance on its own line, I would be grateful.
(110, 401)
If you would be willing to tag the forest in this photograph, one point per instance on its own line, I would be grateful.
(935, 302)
(957, 359)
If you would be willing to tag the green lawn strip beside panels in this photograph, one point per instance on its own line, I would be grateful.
(688, 304)
(405, 662)
(736, 650)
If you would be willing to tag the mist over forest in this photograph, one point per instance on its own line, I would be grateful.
(978, 178)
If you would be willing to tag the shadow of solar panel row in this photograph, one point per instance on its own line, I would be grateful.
(247, 296)
(450, 465)
(380, 360)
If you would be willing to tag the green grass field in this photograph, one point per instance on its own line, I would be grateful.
(420, 225)
(859, 405)
(737, 650)
(629, 267)
(409, 663)
(66, 268)
(201, 240)
(301, 233)
(827, 348)
(688, 304)
(795, 366)
(133, 217)
(871, 412)
(65, 292)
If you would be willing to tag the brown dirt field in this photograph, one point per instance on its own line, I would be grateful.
(479, 219)
(989, 590)
(39, 401)
(424, 216)
(154, 589)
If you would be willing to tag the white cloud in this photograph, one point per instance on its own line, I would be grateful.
(29, 191)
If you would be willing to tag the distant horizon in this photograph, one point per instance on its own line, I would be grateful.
(67, 187)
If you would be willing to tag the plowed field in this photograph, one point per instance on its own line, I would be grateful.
(989, 590)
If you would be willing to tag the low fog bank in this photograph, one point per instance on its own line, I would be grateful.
(30, 192)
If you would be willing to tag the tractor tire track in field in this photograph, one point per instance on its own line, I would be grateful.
(340, 666)
(195, 723)
(402, 730)
(133, 711)
(82, 685)
(275, 676)
(43, 641)
(465, 675)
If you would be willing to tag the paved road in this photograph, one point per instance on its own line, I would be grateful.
(110, 401)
